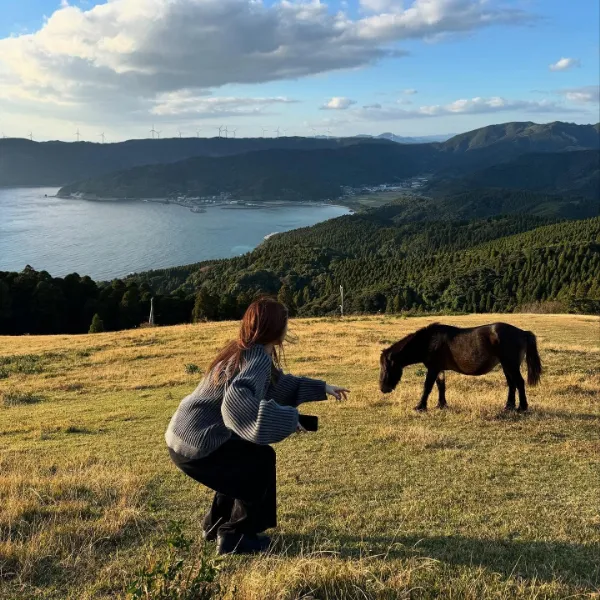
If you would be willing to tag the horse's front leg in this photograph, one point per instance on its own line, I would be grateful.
(441, 384)
(429, 381)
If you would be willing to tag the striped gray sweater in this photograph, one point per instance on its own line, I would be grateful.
(250, 405)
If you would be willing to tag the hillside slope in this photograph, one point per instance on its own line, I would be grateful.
(386, 265)
(381, 503)
(567, 173)
(27, 163)
(267, 175)
(499, 143)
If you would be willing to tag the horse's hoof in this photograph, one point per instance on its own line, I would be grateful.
(442, 406)
(509, 408)
(522, 409)
(420, 408)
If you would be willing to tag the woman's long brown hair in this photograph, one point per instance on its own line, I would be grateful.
(263, 323)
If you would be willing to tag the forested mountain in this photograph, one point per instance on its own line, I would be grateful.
(494, 264)
(575, 173)
(453, 202)
(499, 143)
(23, 162)
(27, 163)
(267, 175)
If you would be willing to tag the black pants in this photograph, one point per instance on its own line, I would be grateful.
(243, 477)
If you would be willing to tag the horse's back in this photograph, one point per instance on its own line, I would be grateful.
(477, 350)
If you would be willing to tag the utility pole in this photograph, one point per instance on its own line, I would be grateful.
(342, 297)
(151, 319)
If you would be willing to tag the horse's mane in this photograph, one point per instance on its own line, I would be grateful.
(401, 344)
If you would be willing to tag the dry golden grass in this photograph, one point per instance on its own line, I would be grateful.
(381, 503)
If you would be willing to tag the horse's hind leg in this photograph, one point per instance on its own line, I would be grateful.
(429, 381)
(512, 388)
(521, 387)
(441, 384)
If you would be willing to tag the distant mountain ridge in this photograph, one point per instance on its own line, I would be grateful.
(399, 139)
(499, 143)
(27, 163)
(23, 162)
(318, 174)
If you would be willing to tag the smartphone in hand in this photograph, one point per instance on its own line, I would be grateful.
(309, 422)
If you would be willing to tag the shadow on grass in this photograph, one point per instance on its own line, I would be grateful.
(564, 415)
(512, 558)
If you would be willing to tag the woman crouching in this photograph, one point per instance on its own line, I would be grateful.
(221, 432)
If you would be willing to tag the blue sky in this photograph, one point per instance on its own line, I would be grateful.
(417, 67)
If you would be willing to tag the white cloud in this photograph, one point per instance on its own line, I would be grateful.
(409, 92)
(381, 6)
(375, 106)
(587, 94)
(185, 103)
(338, 103)
(126, 56)
(470, 106)
(564, 64)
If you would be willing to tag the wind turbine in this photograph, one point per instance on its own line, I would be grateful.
(226, 132)
(77, 134)
(277, 132)
(263, 131)
(197, 133)
(30, 136)
(314, 131)
(101, 135)
(220, 129)
(179, 131)
(157, 135)
(153, 131)
(234, 130)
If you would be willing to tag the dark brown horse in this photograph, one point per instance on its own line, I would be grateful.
(472, 351)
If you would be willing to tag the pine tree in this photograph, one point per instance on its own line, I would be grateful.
(206, 307)
(286, 297)
(97, 325)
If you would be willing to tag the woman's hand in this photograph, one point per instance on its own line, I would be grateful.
(339, 393)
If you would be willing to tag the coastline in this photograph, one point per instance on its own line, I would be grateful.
(223, 204)
(136, 236)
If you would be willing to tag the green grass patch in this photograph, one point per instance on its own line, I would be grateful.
(16, 398)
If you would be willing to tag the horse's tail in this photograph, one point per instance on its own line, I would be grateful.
(534, 364)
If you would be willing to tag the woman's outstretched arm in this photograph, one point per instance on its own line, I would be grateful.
(293, 391)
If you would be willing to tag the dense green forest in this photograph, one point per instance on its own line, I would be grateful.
(496, 264)
(385, 264)
(34, 302)
(576, 172)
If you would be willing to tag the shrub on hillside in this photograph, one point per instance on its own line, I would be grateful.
(97, 325)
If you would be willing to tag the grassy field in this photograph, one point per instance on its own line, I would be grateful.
(381, 503)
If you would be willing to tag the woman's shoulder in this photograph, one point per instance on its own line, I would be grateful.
(256, 354)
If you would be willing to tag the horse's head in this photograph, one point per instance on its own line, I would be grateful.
(390, 371)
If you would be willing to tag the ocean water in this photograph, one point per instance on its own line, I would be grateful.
(112, 239)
